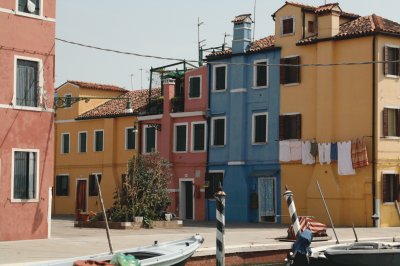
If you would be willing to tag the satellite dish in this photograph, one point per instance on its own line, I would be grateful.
(30, 6)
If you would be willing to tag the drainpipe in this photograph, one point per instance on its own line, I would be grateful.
(304, 23)
(375, 207)
(208, 118)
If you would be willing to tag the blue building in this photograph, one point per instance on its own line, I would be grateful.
(244, 126)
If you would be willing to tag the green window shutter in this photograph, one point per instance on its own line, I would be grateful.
(82, 142)
(93, 188)
(180, 140)
(130, 139)
(282, 70)
(65, 143)
(99, 139)
(150, 139)
(385, 58)
(261, 75)
(194, 87)
(220, 74)
(219, 132)
(297, 128)
(385, 121)
(199, 137)
(260, 127)
(27, 83)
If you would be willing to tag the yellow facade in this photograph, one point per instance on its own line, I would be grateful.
(111, 163)
(335, 103)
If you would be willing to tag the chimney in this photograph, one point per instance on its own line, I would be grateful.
(241, 33)
(168, 94)
(328, 20)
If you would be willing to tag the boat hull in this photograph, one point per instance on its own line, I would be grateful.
(163, 254)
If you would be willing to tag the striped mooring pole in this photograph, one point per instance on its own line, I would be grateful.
(292, 210)
(220, 252)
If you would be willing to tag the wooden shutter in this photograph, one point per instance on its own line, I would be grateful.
(298, 126)
(396, 187)
(282, 71)
(281, 127)
(298, 76)
(385, 188)
(385, 122)
(397, 119)
(398, 63)
(385, 57)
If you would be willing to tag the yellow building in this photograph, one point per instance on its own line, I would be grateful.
(94, 138)
(335, 103)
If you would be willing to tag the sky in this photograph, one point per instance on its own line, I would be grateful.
(161, 28)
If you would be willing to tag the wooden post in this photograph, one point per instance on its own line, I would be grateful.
(104, 215)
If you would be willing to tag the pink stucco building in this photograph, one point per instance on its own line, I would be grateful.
(181, 138)
(27, 55)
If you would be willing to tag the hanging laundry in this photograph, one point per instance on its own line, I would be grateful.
(284, 151)
(345, 165)
(334, 152)
(324, 152)
(295, 150)
(359, 156)
(306, 157)
(314, 149)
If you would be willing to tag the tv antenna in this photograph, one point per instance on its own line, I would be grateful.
(200, 43)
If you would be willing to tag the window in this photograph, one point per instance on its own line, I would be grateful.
(62, 185)
(27, 90)
(68, 100)
(260, 73)
(29, 6)
(65, 143)
(290, 126)
(391, 122)
(219, 78)
(311, 28)
(198, 136)
(260, 128)
(213, 181)
(218, 131)
(180, 140)
(290, 74)
(391, 54)
(98, 140)
(130, 138)
(93, 188)
(390, 187)
(149, 139)
(82, 140)
(287, 25)
(25, 175)
(194, 87)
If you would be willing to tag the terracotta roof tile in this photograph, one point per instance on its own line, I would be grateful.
(325, 8)
(241, 18)
(318, 9)
(96, 86)
(116, 107)
(256, 46)
(360, 27)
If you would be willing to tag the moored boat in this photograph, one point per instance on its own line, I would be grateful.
(158, 254)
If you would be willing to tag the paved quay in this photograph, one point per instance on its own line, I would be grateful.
(68, 241)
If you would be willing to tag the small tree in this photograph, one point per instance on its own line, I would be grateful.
(144, 189)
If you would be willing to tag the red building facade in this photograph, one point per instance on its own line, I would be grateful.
(27, 56)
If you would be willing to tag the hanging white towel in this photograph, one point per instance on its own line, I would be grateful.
(306, 157)
(284, 151)
(345, 165)
(321, 153)
(327, 152)
(295, 150)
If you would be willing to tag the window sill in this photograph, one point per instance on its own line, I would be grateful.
(194, 98)
(27, 108)
(388, 203)
(291, 84)
(259, 87)
(259, 143)
(179, 152)
(218, 146)
(392, 76)
(287, 34)
(24, 200)
(214, 90)
(34, 16)
(390, 138)
(199, 151)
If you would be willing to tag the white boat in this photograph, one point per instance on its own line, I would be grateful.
(357, 254)
(158, 254)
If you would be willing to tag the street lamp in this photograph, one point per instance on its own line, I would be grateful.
(67, 101)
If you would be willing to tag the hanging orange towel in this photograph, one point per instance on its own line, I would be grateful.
(359, 155)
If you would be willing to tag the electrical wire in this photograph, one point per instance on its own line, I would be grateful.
(122, 52)
(227, 63)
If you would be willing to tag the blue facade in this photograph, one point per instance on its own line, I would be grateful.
(251, 172)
